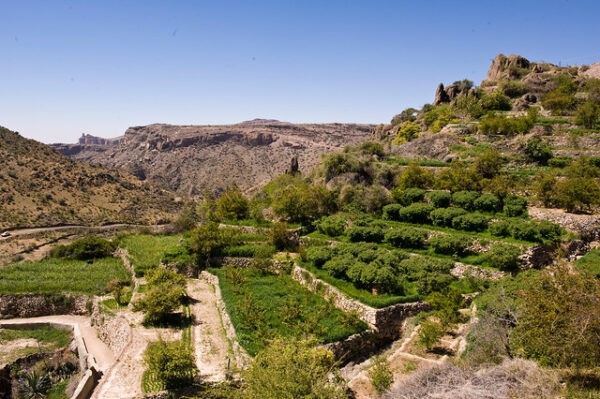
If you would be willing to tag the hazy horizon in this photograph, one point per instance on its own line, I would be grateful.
(101, 67)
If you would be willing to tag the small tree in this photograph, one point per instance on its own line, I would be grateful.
(232, 205)
(587, 115)
(380, 375)
(293, 369)
(537, 150)
(430, 333)
(415, 176)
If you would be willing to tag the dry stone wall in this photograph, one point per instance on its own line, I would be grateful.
(386, 321)
(34, 305)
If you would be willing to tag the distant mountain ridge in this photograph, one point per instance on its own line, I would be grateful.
(192, 159)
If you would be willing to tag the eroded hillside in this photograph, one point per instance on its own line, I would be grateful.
(40, 187)
(192, 159)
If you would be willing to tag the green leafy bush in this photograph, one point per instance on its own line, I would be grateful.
(332, 226)
(500, 228)
(338, 265)
(470, 222)
(537, 150)
(487, 203)
(560, 161)
(523, 230)
(430, 333)
(444, 216)
(232, 205)
(504, 257)
(465, 199)
(381, 375)
(406, 238)
(406, 132)
(90, 247)
(364, 233)
(172, 363)
(408, 196)
(392, 211)
(450, 244)
(496, 101)
(500, 124)
(415, 213)
(439, 199)
(515, 206)
(319, 255)
(513, 88)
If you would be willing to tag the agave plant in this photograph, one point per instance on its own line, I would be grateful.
(33, 385)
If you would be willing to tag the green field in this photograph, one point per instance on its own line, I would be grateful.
(267, 306)
(377, 301)
(54, 276)
(146, 251)
(48, 339)
(590, 262)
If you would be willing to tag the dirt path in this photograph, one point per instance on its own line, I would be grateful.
(209, 339)
(102, 353)
(402, 362)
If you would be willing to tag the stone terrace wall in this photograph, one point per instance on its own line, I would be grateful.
(114, 331)
(33, 305)
(386, 321)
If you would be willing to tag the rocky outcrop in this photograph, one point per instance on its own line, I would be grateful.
(193, 159)
(505, 67)
(88, 139)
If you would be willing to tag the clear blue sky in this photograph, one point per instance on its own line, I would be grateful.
(101, 66)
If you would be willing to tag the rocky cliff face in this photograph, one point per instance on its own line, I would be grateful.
(192, 159)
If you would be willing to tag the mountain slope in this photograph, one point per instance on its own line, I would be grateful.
(39, 187)
(192, 159)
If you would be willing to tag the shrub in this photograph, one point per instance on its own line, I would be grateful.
(332, 226)
(160, 302)
(232, 205)
(319, 255)
(415, 213)
(282, 237)
(86, 248)
(430, 333)
(408, 196)
(523, 230)
(515, 206)
(577, 194)
(548, 231)
(289, 368)
(488, 164)
(450, 244)
(496, 101)
(587, 115)
(337, 266)
(500, 124)
(465, 199)
(513, 88)
(504, 257)
(438, 117)
(487, 203)
(366, 234)
(380, 375)
(406, 132)
(406, 238)
(444, 216)
(172, 363)
(392, 211)
(537, 150)
(439, 199)
(415, 176)
(561, 161)
(559, 319)
(470, 222)
(500, 228)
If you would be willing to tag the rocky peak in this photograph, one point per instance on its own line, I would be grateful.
(505, 67)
